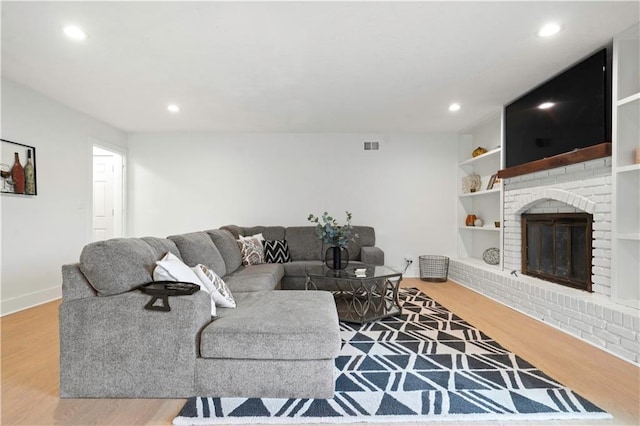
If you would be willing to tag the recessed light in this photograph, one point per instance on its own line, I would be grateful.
(546, 105)
(549, 30)
(74, 32)
(173, 108)
(454, 107)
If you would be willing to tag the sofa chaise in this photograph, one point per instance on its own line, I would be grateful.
(277, 342)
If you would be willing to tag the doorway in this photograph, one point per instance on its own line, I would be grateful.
(108, 194)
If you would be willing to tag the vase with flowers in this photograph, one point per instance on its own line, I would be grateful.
(336, 235)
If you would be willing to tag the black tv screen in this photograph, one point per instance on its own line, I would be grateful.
(577, 113)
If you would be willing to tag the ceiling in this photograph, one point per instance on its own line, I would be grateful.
(380, 67)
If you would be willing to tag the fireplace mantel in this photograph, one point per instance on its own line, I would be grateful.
(560, 160)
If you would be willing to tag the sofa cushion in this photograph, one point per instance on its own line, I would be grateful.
(296, 268)
(268, 232)
(228, 247)
(303, 242)
(275, 325)
(119, 265)
(197, 247)
(276, 251)
(265, 276)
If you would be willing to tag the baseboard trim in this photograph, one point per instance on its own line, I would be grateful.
(26, 301)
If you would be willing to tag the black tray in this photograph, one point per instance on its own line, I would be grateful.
(163, 289)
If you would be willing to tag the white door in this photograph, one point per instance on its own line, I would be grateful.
(103, 205)
(108, 194)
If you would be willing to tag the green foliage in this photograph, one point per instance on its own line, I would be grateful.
(330, 231)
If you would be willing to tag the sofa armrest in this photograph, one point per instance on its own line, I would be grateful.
(372, 255)
(112, 347)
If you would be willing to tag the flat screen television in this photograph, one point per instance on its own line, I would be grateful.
(571, 110)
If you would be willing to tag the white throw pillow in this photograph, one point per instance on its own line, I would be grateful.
(171, 268)
(219, 291)
(259, 237)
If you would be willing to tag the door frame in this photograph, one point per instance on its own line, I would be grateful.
(122, 152)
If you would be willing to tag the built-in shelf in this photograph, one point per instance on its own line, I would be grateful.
(485, 204)
(480, 193)
(625, 242)
(627, 169)
(482, 157)
(628, 99)
(481, 228)
(634, 236)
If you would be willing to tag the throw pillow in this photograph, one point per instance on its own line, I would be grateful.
(171, 268)
(252, 251)
(276, 251)
(258, 236)
(219, 291)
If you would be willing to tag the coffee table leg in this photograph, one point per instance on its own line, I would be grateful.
(363, 301)
(309, 285)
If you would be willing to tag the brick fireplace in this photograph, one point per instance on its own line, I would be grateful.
(557, 247)
(585, 188)
(577, 188)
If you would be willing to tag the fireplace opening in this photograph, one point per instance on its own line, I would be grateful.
(556, 247)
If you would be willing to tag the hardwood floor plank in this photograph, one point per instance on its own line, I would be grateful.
(30, 367)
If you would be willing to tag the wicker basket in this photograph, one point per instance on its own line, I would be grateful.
(434, 268)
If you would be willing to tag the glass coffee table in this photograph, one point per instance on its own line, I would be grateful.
(362, 293)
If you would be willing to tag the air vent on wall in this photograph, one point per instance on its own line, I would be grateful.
(371, 146)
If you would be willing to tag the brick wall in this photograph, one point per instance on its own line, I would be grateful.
(588, 316)
(584, 187)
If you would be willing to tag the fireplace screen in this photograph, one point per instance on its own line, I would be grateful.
(557, 248)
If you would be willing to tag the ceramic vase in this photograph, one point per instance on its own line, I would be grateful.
(337, 257)
(471, 219)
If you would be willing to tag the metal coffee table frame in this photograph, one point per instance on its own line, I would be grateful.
(359, 297)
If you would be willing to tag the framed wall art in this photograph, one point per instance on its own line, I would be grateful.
(18, 169)
(492, 181)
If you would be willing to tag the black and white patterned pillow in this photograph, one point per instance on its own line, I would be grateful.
(276, 251)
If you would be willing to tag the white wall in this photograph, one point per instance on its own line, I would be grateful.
(406, 190)
(40, 234)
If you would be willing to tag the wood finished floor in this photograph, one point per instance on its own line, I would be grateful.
(30, 369)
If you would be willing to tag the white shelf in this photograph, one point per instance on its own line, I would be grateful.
(625, 244)
(633, 236)
(628, 99)
(480, 193)
(486, 204)
(480, 158)
(481, 228)
(628, 169)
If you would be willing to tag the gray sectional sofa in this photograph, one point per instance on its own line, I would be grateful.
(277, 342)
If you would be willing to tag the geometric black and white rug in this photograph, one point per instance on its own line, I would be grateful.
(422, 366)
